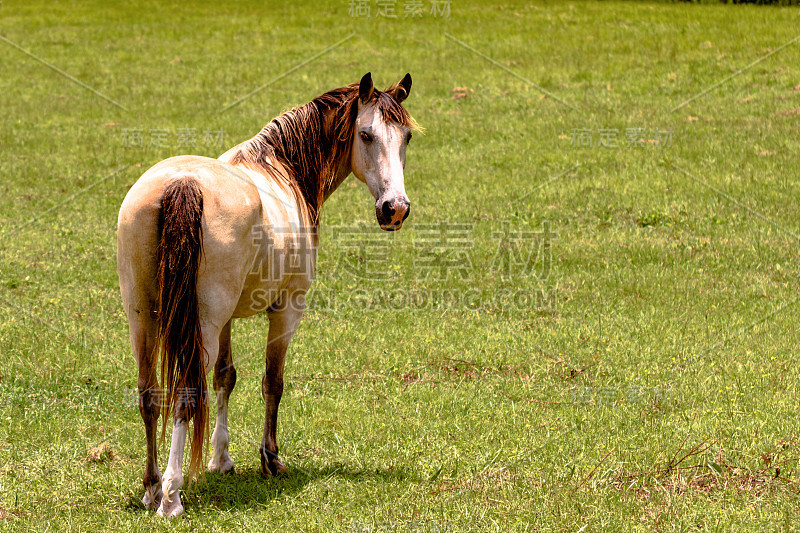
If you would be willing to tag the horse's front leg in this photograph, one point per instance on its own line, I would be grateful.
(284, 318)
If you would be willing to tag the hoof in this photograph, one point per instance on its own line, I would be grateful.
(171, 509)
(218, 470)
(224, 465)
(171, 500)
(274, 469)
(271, 465)
(152, 496)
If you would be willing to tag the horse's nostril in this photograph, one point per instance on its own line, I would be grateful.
(387, 210)
(408, 212)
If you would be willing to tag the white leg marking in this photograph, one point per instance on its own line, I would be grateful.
(173, 477)
(220, 458)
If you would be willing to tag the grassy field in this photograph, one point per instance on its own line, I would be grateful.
(589, 322)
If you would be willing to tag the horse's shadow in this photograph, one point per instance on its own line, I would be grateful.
(246, 488)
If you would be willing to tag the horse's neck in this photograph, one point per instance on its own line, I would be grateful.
(256, 154)
(338, 170)
(343, 169)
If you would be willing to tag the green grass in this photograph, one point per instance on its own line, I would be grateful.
(674, 270)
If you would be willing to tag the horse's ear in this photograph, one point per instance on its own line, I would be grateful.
(366, 88)
(401, 91)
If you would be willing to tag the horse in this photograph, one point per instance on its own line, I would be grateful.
(202, 241)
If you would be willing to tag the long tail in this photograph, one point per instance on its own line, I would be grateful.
(180, 338)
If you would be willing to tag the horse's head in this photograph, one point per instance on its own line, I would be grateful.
(382, 132)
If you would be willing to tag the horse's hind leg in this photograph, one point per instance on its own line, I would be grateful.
(172, 481)
(224, 381)
(143, 339)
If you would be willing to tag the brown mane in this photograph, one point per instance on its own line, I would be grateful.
(313, 143)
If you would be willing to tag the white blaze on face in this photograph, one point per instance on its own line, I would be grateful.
(379, 156)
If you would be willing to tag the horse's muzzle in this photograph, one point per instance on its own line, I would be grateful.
(392, 213)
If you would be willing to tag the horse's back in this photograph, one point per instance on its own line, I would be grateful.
(231, 207)
(224, 187)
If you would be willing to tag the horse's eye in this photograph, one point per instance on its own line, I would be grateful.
(366, 137)
(408, 137)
